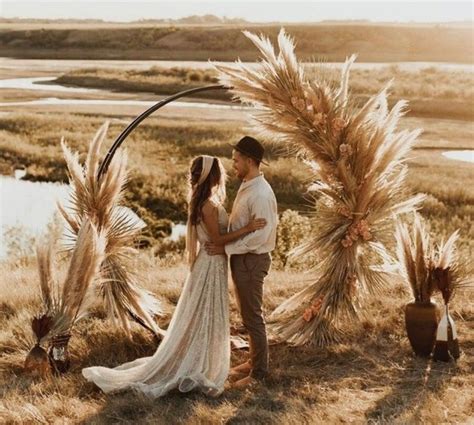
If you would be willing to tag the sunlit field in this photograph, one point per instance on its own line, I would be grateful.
(339, 383)
(371, 375)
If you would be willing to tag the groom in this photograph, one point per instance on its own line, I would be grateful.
(250, 258)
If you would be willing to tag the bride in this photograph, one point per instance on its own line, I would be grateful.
(195, 353)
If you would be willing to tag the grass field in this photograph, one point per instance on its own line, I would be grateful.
(161, 149)
(369, 377)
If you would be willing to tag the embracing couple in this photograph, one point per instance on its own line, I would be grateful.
(195, 352)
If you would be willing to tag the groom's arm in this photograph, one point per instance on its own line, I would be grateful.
(264, 207)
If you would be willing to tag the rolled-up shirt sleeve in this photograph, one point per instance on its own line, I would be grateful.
(260, 207)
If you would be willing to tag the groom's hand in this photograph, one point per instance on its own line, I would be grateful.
(214, 249)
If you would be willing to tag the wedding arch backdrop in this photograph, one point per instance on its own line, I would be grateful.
(123, 135)
(359, 165)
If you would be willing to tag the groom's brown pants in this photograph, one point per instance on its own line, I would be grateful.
(248, 274)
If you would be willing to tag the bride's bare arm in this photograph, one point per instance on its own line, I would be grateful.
(210, 217)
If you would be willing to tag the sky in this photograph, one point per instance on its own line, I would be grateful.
(254, 11)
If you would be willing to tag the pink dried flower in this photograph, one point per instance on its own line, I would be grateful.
(313, 310)
(353, 233)
(352, 282)
(299, 104)
(317, 304)
(308, 314)
(319, 119)
(363, 226)
(346, 242)
(367, 236)
(338, 124)
(344, 211)
(345, 150)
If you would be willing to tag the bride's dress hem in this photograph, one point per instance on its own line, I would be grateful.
(185, 384)
(195, 352)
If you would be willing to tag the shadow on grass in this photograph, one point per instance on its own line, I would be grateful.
(300, 381)
(416, 380)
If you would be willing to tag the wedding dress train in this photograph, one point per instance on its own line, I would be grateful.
(195, 353)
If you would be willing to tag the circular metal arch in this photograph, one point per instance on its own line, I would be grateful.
(123, 135)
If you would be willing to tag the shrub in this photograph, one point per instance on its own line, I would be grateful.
(292, 230)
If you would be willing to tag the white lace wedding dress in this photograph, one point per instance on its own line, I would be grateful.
(195, 353)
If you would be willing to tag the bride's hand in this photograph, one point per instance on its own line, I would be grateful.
(256, 224)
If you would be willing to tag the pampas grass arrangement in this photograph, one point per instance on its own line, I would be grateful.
(99, 239)
(64, 305)
(98, 200)
(416, 263)
(427, 270)
(360, 184)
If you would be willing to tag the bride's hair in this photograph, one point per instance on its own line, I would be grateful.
(212, 187)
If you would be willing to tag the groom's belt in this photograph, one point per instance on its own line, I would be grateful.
(249, 253)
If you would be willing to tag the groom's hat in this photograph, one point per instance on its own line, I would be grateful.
(250, 147)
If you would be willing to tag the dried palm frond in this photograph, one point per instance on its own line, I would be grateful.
(361, 171)
(98, 200)
(450, 273)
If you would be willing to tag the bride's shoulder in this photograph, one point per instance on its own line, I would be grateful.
(209, 207)
(214, 204)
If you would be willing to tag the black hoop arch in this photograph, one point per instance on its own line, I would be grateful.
(123, 135)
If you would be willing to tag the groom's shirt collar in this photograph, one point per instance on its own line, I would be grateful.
(246, 184)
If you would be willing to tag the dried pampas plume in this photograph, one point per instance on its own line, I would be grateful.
(98, 200)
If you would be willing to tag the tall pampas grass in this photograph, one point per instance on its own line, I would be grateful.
(64, 304)
(98, 200)
(416, 258)
(359, 182)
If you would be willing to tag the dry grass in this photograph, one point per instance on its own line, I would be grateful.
(370, 377)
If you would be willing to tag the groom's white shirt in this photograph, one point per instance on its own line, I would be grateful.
(254, 198)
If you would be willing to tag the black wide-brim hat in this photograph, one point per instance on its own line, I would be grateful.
(250, 147)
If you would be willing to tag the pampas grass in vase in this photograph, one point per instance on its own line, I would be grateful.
(428, 270)
(99, 239)
(415, 259)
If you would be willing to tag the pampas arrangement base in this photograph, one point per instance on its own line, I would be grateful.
(421, 321)
(37, 362)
